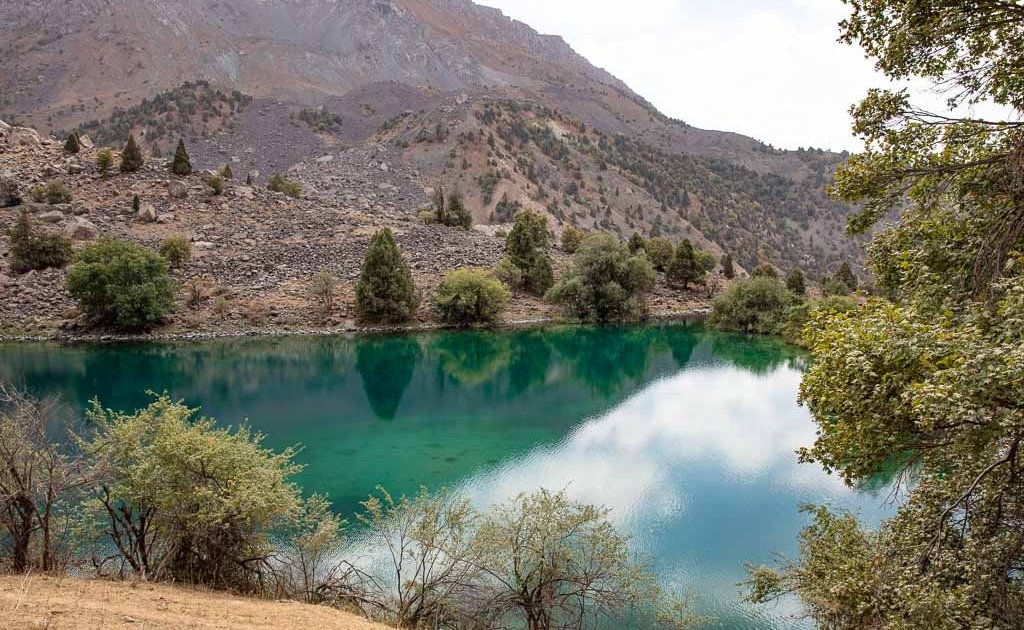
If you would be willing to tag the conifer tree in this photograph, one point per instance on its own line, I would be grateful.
(527, 247)
(458, 214)
(385, 291)
(637, 243)
(845, 275)
(248, 179)
(181, 165)
(795, 283)
(728, 269)
(136, 204)
(684, 270)
(131, 157)
(72, 145)
(226, 172)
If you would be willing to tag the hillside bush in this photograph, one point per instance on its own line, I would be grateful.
(104, 160)
(33, 249)
(661, 252)
(281, 184)
(176, 250)
(755, 305)
(72, 145)
(572, 237)
(470, 296)
(385, 291)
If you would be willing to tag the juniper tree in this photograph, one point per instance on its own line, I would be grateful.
(684, 269)
(795, 283)
(131, 157)
(527, 247)
(728, 269)
(182, 164)
(72, 145)
(385, 291)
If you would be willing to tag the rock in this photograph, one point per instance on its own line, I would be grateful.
(85, 141)
(9, 195)
(244, 192)
(74, 168)
(253, 175)
(23, 136)
(384, 167)
(326, 159)
(80, 229)
(147, 213)
(165, 218)
(177, 189)
(53, 216)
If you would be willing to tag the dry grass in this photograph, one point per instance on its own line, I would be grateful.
(46, 603)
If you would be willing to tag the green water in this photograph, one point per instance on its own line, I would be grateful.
(687, 435)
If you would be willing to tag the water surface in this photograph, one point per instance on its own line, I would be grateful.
(688, 436)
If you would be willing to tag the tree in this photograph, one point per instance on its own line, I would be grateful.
(572, 236)
(765, 271)
(458, 214)
(121, 284)
(176, 250)
(637, 243)
(924, 383)
(795, 283)
(226, 172)
(104, 160)
(728, 269)
(845, 275)
(131, 157)
(321, 290)
(606, 283)
(527, 248)
(754, 305)
(136, 204)
(33, 249)
(181, 165)
(216, 184)
(661, 252)
(72, 145)
(684, 270)
(385, 291)
(470, 296)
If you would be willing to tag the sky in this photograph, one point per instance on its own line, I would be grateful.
(770, 69)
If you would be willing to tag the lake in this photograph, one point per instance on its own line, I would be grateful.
(687, 435)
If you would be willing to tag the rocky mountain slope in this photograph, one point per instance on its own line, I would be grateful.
(393, 70)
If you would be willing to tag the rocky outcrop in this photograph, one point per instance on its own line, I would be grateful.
(79, 229)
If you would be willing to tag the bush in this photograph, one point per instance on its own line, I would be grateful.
(131, 157)
(728, 268)
(104, 160)
(795, 283)
(527, 249)
(756, 305)
(33, 249)
(216, 184)
(661, 252)
(765, 271)
(571, 239)
(176, 250)
(72, 145)
(606, 282)
(321, 291)
(458, 214)
(637, 243)
(792, 329)
(385, 291)
(181, 164)
(845, 275)
(470, 296)
(281, 184)
(226, 172)
(55, 192)
(121, 284)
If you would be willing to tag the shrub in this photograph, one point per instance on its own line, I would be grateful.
(131, 157)
(56, 192)
(470, 296)
(799, 314)
(176, 250)
(845, 275)
(136, 204)
(72, 145)
(756, 305)
(660, 252)
(321, 290)
(795, 283)
(685, 269)
(572, 236)
(121, 284)
(527, 248)
(765, 271)
(281, 184)
(216, 184)
(226, 172)
(104, 160)
(637, 243)
(181, 164)
(606, 282)
(833, 286)
(385, 291)
(728, 268)
(33, 249)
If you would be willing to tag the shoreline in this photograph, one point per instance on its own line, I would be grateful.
(111, 338)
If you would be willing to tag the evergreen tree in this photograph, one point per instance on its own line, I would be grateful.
(845, 275)
(440, 209)
(728, 269)
(527, 248)
(72, 145)
(637, 243)
(131, 157)
(684, 270)
(248, 179)
(795, 283)
(136, 204)
(765, 271)
(226, 172)
(458, 214)
(181, 165)
(385, 291)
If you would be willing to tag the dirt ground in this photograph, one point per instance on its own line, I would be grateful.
(46, 603)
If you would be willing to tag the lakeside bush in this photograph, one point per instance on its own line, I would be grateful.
(685, 270)
(527, 249)
(33, 249)
(321, 291)
(385, 292)
(795, 283)
(470, 296)
(756, 305)
(793, 328)
(121, 284)
(606, 282)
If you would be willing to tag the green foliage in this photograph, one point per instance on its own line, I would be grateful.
(121, 284)
(832, 286)
(182, 498)
(319, 119)
(216, 184)
(458, 214)
(662, 253)
(181, 164)
(795, 283)
(527, 248)
(72, 145)
(684, 270)
(706, 261)
(803, 312)
(606, 282)
(176, 250)
(845, 275)
(756, 305)
(637, 243)
(728, 268)
(385, 291)
(470, 296)
(226, 172)
(131, 157)
(104, 160)
(53, 193)
(321, 290)
(765, 271)
(281, 184)
(572, 236)
(136, 204)
(33, 249)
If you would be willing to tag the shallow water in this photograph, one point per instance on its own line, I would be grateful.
(687, 435)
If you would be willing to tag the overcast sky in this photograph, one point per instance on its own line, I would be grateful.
(771, 69)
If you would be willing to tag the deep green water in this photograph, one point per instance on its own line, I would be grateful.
(687, 435)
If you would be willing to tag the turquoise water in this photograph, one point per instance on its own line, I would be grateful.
(687, 435)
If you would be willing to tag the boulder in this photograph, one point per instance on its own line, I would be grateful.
(177, 189)
(74, 168)
(80, 229)
(165, 218)
(147, 213)
(53, 216)
(18, 136)
(9, 192)
(85, 141)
